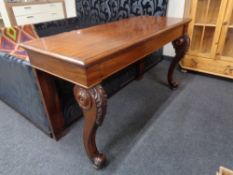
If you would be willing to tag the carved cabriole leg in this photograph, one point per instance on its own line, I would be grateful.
(181, 46)
(94, 103)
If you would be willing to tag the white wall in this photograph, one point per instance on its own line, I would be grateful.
(175, 9)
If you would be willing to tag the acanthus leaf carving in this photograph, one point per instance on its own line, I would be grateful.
(181, 45)
(87, 98)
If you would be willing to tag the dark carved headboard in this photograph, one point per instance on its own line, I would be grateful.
(92, 12)
(100, 11)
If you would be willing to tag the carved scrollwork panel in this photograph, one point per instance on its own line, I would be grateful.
(94, 98)
(99, 11)
(181, 45)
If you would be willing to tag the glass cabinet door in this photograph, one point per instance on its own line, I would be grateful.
(206, 30)
(226, 45)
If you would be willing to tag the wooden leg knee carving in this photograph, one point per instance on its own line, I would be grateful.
(93, 103)
(181, 46)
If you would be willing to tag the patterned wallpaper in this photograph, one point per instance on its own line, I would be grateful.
(99, 11)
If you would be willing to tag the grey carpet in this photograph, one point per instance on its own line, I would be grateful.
(149, 129)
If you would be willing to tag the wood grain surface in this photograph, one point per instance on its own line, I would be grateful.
(87, 56)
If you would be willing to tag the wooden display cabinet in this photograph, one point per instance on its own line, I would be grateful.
(211, 33)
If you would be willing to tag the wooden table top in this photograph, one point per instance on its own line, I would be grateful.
(90, 45)
(87, 56)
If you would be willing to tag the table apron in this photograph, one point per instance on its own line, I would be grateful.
(128, 56)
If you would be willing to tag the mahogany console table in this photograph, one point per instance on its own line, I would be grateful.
(86, 57)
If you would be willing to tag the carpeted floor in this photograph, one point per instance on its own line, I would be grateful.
(149, 129)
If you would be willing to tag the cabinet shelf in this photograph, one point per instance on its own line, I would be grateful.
(205, 24)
